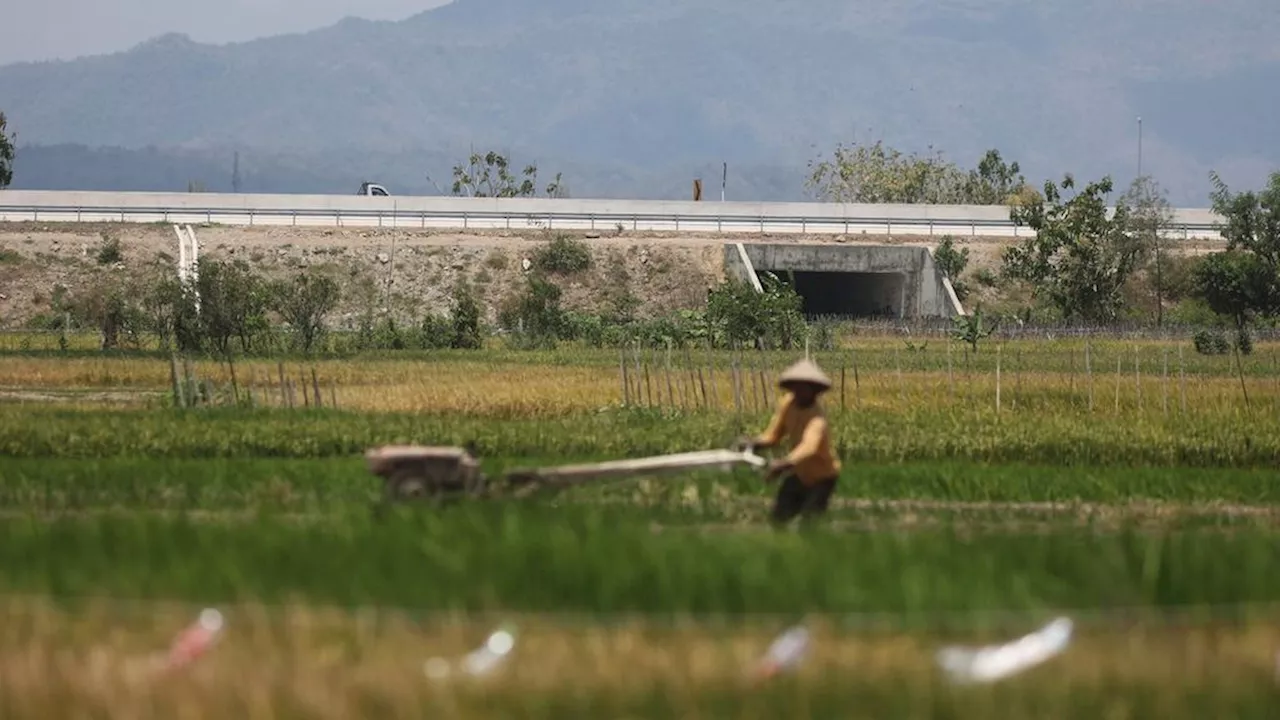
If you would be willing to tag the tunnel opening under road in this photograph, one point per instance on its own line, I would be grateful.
(853, 281)
(850, 294)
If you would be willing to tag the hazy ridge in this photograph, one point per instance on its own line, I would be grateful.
(637, 97)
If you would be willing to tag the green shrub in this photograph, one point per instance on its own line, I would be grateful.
(465, 320)
(1211, 342)
(737, 313)
(563, 255)
(109, 250)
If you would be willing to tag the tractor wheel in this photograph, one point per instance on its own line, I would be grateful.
(406, 486)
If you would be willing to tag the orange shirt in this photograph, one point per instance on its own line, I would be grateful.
(809, 434)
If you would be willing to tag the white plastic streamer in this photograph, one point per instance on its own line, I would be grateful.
(995, 662)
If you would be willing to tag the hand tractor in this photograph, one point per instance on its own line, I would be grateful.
(448, 473)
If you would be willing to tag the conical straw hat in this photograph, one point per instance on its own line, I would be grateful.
(807, 372)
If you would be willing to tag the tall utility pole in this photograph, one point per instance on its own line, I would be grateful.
(1139, 146)
(724, 179)
(235, 174)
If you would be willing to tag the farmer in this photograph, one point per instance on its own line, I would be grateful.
(809, 472)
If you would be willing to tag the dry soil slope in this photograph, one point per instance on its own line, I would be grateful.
(664, 271)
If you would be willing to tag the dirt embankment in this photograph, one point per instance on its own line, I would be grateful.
(411, 271)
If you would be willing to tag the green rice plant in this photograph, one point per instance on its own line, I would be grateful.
(337, 485)
(544, 558)
(866, 435)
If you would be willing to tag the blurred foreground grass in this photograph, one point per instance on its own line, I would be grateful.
(84, 660)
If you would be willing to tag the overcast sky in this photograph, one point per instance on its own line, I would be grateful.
(63, 29)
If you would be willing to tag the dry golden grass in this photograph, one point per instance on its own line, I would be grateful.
(322, 663)
(521, 389)
(872, 372)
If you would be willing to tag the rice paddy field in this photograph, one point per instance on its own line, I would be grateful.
(1130, 485)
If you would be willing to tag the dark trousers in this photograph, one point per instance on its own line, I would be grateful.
(795, 498)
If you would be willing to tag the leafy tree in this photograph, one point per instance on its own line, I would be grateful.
(952, 263)
(304, 303)
(1244, 281)
(1252, 219)
(107, 304)
(6, 153)
(536, 313)
(490, 175)
(233, 303)
(993, 182)
(880, 174)
(167, 308)
(1081, 256)
(1236, 285)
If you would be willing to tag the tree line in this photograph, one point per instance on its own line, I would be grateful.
(1083, 254)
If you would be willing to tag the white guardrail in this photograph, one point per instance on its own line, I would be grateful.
(524, 213)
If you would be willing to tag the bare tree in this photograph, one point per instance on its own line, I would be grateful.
(1150, 217)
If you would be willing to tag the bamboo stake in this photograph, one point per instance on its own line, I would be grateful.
(897, 363)
(1164, 383)
(755, 391)
(714, 401)
(284, 398)
(702, 385)
(1137, 376)
(842, 405)
(695, 401)
(951, 380)
(635, 356)
(315, 386)
(648, 384)
(736, 381)
(1088, 369)
(1240, 370)
(189, 383)
(1119, 373)
(1071, 378)
(622, 377)
(682, 388)
(998, 349)
(178, 398)
(764, 384)
(666, 372)
(1182, 381)
(1017, 378)
(235, 386)
(857, 385)
(333, 394)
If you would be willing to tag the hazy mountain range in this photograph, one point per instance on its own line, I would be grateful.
(637, 97)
